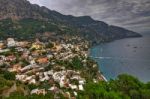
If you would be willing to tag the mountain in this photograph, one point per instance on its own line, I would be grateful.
(19, 18)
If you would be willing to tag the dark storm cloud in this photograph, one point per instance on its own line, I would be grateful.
(132, 14)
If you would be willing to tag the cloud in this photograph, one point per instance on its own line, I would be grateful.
(131, 14)
(36, 2)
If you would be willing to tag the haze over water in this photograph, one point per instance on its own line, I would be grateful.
(130, 56)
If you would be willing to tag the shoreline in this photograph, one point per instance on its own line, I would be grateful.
(89, 51)
(104, 78)
(101, 76)
(125, 58)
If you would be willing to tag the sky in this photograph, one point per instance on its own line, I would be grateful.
(131, 14)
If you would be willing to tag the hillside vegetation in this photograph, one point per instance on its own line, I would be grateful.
(123, 87)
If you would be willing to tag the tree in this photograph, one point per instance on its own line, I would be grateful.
(9, 75)
(32, 86)
(145, 94)
(50, 45)
(125, 83)
(4, 84)
(76, 63)
(16, 95)
(135, 94)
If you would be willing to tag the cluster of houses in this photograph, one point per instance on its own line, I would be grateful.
(63, 78)
(29, 60)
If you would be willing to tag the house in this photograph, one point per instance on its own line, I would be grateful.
(67, 95)
(1, 63)
(57, 76)
(81, 87)
(73, 87)
(4, 50)
(2, 58)
(34, 91)
(25, 55)
(39, 91)
(57, 47)
(45, 73)
(64, 82)
(75, 93)
(76, 77)
(19, 49)
(22, 44)
(15, 68)
(11, 42)
(44, 79)
(50, 56)
(32, 62)
(29, 67)
(1, 45)
(21, 77)
(81, 82)
(35, 53)
(36, 46)
(10, 58)
(50, 72)
(29, 78)
(53, 89)
(32, 81)
(43, 60)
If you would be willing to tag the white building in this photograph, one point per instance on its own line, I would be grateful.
(32, 81)
(38, 91)
(81, 87)
(11, 42)
(73, 87)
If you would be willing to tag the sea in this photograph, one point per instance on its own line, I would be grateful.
(126, 56)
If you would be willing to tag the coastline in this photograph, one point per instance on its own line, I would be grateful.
(127, 57)
(100, 76)
(104, 78)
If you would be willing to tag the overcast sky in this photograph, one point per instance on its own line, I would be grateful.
(131, 14)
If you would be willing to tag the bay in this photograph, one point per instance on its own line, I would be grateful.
(126, 56)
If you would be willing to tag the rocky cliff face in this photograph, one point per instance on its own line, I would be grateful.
(19, 9)
(85, 25)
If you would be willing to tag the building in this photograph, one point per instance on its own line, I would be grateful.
(81, 87)
(11, 42)
(1, 45)
(38, 91)
(15, 68)
(43, 60)
(22, 44)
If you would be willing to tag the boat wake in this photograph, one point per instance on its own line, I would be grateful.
(121, 58)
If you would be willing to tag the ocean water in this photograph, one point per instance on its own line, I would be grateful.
(129, 56)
